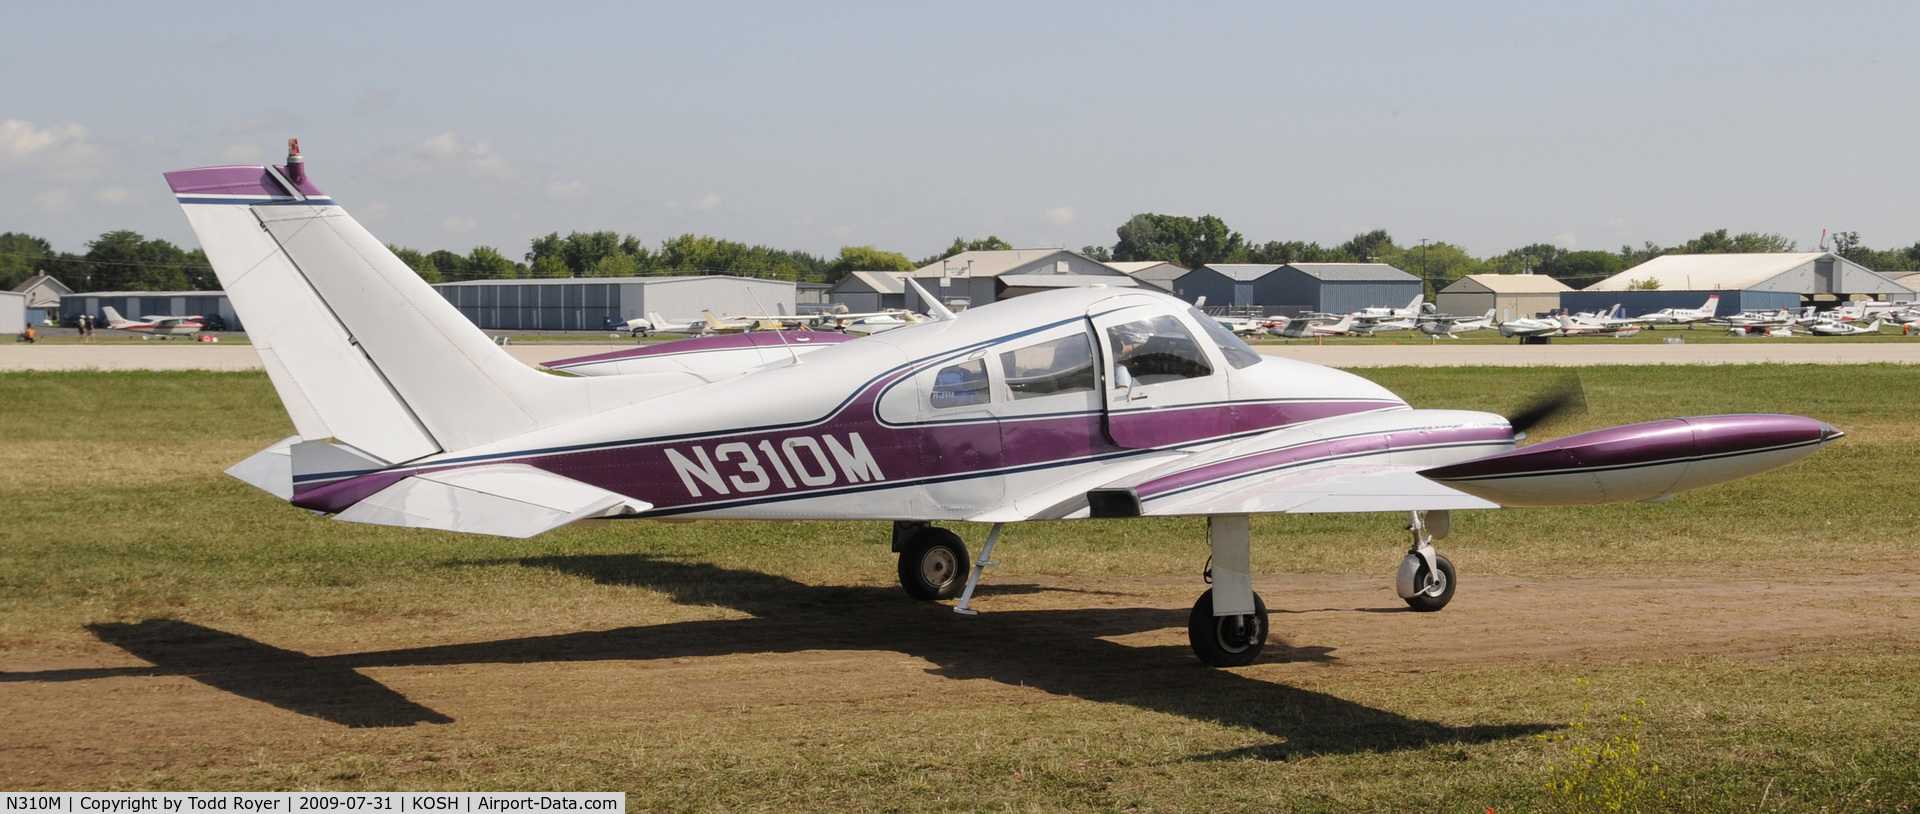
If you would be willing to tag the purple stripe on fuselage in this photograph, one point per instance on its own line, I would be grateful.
(1654, 442)
(831, 455)
(1314, 451)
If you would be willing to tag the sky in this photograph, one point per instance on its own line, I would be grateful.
(812, 126)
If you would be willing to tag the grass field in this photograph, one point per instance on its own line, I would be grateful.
(1750, 647)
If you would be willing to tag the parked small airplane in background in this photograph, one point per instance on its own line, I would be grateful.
(1447, 325)
(1069, 403)
(871, 322)
(1684, 316)
(1528, 326)
(661, 325)
(638, 326)
(1312, 326)
(1827, 327)
(1608, 324)
(1383, 313)
(157, 326)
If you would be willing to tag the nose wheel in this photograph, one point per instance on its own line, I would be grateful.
(1428, 588)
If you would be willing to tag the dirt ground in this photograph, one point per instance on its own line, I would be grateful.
(164, 698)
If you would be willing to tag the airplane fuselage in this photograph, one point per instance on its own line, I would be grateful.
(872, 428)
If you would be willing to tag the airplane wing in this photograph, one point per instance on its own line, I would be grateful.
(510, 500)
(1361, 463)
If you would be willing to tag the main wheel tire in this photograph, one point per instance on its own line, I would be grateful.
(1435, 590)
(932, 565)
(1226, 641)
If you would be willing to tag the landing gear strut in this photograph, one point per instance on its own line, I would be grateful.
(1228, 625)
(1426, 579)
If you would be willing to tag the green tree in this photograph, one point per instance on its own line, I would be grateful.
(124, 261)
(1280, 252)
(1718, 242)
(21, 255)
(418, 262)
(487, 263)
(1438, 263)
(618, 264)
(1368, 247)
(550, 266)
(990, 243)
(1100, 253)
(1190, 242)
(1630, 256)
(1581, 269)
(1537, 258)
(866, 258)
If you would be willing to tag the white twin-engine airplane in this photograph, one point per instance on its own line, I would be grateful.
(1071, 403)
(157, 326)
(1683, 316)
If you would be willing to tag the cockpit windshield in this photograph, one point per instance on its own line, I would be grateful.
(1156, 349)
(1238, 352)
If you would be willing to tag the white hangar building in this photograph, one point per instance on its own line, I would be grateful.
(977, 278)
(1157, 273)
(864, 292)
(586, 303)
(1511, 296)
(1743, 282)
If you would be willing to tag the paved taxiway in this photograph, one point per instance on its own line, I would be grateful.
(197, 356)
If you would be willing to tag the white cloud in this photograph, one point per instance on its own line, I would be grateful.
(706, 204)
(568, 189)
(61, 152)
(56, 202)
(1567, 239)
(117, 196)
(1058, 214)
(458, 225)
(244, 154)
(446, 151)
(271, 120)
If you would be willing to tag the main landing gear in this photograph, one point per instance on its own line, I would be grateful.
(1228, 624)
(931, 560)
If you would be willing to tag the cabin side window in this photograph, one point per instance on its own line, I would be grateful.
(1156, 349)
(960, 385)
(1063, 365)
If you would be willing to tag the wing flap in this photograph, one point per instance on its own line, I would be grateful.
(509, 500)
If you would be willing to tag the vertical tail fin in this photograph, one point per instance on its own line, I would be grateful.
(1711, 306)
(114, 320)
(360, 349)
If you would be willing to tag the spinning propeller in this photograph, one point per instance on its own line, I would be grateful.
(1565, 398)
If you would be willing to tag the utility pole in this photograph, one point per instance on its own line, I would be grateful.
(1423, 267)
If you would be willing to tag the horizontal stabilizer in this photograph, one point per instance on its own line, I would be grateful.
(510, 500)
(270, 470)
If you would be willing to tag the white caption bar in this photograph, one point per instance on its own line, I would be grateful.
(301, 802)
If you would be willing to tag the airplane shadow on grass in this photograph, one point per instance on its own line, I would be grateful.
(1062, 652)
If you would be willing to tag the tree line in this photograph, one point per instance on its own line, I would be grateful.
(126, 261)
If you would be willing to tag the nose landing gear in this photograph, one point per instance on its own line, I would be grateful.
(1426, 579)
